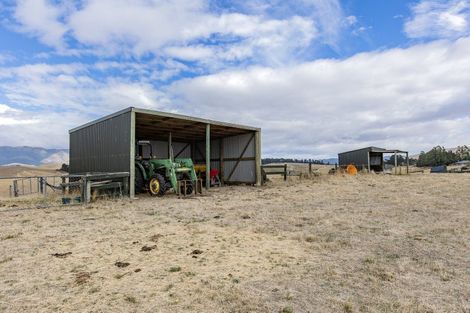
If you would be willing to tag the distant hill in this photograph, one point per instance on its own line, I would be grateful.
(32, 155)
(331, 161)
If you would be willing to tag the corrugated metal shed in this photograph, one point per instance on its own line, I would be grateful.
(109, 144)
(102, 146)
(370, 158)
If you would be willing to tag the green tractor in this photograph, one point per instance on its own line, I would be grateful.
(157, 176)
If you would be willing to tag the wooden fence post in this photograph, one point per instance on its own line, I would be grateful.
(285, 172)
(15, 188)
(63, 185)
(310, 169)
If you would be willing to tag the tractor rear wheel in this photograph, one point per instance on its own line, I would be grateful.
(157, 185)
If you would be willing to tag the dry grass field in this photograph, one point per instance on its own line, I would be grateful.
(371, 243)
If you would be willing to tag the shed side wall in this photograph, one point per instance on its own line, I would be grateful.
(359, 158)
(246, 169)
(233, 146)
(102, 147)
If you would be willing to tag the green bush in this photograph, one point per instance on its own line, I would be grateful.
(440, 156)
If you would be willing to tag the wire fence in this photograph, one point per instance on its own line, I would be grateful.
(72, 188)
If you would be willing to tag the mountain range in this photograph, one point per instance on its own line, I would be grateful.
(32, 155)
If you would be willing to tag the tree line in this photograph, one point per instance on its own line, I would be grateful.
(441, 156)
(283, 160)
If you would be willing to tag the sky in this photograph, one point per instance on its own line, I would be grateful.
(318, 76)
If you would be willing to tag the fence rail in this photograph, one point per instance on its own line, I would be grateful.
(278, 170)
(83, 184)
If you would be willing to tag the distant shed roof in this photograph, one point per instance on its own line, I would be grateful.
(376, 149)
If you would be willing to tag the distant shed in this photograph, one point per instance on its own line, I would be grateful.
(109, 144)
(370, 158)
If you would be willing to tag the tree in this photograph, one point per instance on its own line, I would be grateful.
(400, 160)
(437, 156)
(463, 153)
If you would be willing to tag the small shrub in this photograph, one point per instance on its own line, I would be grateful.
(82, 278)
(130, 299)
(11, 236)
(348, 308)
(369, 260)
(174, 269)
(309, 239)
(168, 287)
(8, 259)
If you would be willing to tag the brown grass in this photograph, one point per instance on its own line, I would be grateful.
(371, 243)
(27, 171)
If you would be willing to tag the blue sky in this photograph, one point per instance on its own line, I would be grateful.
(319, 76)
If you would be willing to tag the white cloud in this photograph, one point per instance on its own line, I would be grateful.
(46, 129)
(13, 117)
(400, 98)
(4, 108)
(410, 99)
(351, 20)
(439, 19)
(69, 87)
(182, 29)
(176, 27)
(41, 19)
(391, 98)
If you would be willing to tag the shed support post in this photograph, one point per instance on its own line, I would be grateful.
(170, 148)
(368, 161)
(222, 166)
(125, 185)
(407, 164)
(258, 158)
(396, 163)
(87, 191)
(208, 155)
(132, 157)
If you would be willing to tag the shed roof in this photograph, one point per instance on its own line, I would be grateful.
(151, 124)
(376, 149)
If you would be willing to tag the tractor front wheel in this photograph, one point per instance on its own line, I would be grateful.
(189, 188)
(157, 185)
